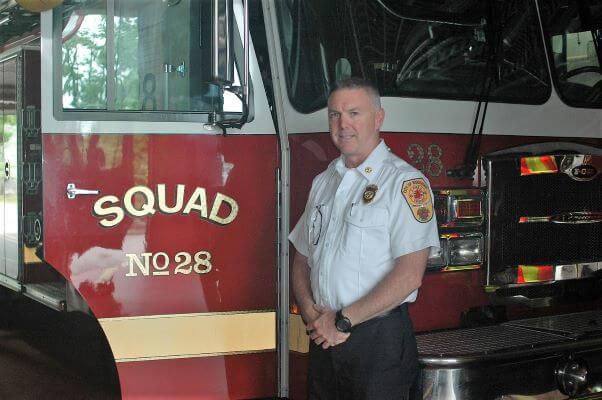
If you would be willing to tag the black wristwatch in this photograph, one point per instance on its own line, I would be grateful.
(341, 322)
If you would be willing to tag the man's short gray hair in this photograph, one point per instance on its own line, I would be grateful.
(358, 83)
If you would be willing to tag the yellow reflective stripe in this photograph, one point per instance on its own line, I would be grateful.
(538, 165)
(297, 337)
(535, 273)
(158, 337)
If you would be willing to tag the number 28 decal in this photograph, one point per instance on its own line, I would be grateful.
(161, 264)
(431, 164)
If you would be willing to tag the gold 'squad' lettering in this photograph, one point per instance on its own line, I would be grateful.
(140, 201)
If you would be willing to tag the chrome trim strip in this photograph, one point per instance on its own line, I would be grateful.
(10, 283)
(488, 219)
(246, 41)
(110, 45)
(282, 345)
(48, 294)
(430, 360)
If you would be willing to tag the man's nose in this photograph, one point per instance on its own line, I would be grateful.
(344, 121)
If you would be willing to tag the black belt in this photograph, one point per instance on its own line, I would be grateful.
(402, 308)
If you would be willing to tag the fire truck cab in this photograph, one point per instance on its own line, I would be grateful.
(157, 153)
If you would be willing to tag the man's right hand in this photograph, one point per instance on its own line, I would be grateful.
(319, 320)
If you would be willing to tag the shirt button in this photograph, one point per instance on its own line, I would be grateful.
(327, 245)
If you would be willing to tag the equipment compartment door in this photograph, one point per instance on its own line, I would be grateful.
(9, 209)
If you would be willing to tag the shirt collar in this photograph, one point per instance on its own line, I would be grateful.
(371, 166)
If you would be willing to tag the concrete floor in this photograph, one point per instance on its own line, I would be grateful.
(49, 355)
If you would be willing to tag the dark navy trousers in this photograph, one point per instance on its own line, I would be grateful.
(379, 361)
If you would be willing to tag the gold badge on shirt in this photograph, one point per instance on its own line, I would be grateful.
(418, 196)
(369, 193)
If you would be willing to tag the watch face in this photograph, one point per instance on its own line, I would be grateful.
(343, 324)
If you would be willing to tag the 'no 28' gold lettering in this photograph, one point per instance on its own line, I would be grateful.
(432, 164)
(158, 264)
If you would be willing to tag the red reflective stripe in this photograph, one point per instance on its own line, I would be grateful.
(524, 168)
(549, 163)
(545, 272)
(520, 278)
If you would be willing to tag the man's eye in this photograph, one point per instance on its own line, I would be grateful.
(333, 115)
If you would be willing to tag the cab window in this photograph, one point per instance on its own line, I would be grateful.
(128, 56)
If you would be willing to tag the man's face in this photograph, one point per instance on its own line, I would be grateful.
(354, 122)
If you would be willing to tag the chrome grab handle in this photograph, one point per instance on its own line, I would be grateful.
(73, 191)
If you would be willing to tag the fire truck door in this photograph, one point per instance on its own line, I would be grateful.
(9, 209)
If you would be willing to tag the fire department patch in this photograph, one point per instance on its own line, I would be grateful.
(418, 196)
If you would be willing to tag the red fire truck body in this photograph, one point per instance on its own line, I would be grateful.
(135, 268)
(156, 183)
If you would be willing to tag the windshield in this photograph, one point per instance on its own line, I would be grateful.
(438, 49)
(573, 31)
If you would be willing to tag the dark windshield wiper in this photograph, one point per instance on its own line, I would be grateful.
(415, 13)
(494, 53)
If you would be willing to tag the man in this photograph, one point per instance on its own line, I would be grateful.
(362, 246)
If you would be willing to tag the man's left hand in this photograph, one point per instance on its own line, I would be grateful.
(323, 331)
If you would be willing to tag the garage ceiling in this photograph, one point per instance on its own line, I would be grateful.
(16, 21)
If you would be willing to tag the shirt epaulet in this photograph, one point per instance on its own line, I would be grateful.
(402, 166)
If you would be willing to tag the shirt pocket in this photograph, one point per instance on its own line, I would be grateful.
(366, 238)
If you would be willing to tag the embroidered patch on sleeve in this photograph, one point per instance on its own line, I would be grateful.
(418, 196)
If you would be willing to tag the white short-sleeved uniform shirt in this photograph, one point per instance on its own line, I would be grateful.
(358, 221)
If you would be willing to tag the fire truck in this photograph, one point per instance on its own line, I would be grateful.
(157, 153)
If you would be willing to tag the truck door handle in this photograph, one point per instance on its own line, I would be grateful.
(73, 191)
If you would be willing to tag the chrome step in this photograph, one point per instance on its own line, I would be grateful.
(11, 283)
(51, 294)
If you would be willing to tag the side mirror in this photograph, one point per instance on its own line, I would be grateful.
(222, 57)
(222, 51)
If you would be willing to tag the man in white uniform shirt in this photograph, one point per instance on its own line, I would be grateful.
(362, 245)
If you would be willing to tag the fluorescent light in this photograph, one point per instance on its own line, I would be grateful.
(4, 20)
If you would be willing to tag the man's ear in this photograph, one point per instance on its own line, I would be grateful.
(380, 118)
